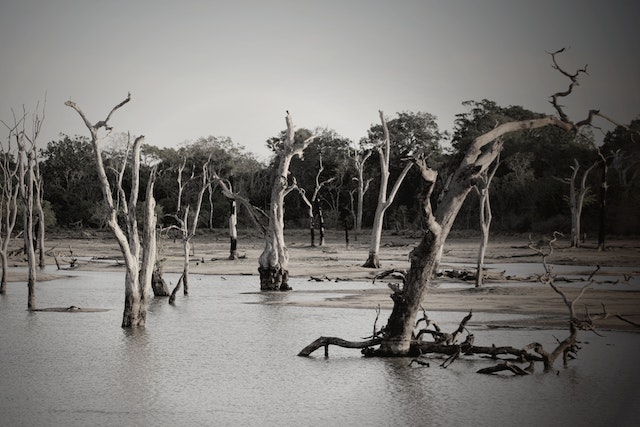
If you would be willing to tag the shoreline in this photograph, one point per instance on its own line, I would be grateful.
(333, 260)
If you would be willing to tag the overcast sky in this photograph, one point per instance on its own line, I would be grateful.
(231, 68)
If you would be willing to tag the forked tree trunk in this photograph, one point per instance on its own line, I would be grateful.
(384, 200)
(363, 187)
(10, 189)
(576, 199)
(273, 264)
(486, 216)
(425, 257)
(139, 265)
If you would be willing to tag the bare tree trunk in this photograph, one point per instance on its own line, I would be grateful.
(273, 264)
(137, 280)
(10, 189)
(485, 217)
(576, 199)
(158, 284)
(233, 229)
(384, 201)
(425, 257)
(363, 187)
(227, 191)
(187, 232)
(321, 224)
(603, 204)
(3, 278)
(40, 224)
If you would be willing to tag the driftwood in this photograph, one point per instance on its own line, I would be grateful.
(447, 343)
(172, 298)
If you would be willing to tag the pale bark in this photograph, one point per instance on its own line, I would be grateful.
(486, 216)
(136, 290)
(397, 335)
(384, 200)
(425, 257)
(363, 187)
(183, 223)
(576, 199)
(314, 203)
(8, 204)
(233, 229)
(273, 264)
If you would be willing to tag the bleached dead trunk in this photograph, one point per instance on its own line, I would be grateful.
(233, 230)
(363, 187)
(425, 257)
(137, 264)
(189, 232)
(273, 264)
(10, 189)
(576, 199)
(384, 200)
(483, 189)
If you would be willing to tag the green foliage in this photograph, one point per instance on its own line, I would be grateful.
(70, 180)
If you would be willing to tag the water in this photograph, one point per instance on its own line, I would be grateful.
(220, 357)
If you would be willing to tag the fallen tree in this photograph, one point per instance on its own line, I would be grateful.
(448, 345)
(398, 337)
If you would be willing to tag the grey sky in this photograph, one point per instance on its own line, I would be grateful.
(232, 68)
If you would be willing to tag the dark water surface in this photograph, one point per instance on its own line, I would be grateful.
(219, 357)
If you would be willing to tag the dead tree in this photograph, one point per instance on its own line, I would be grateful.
(482, 188)
(234, 198)
(359, 161)
(384, 200)
(397, 337)
(139, 256)
(188, 232)
(576, 199)
(273, 264)
(8, 202)
(602, 221)
(314, 205)
(450, 344)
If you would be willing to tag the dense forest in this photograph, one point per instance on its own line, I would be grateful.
(530, 191)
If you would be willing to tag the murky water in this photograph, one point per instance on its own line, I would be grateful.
(218, 357)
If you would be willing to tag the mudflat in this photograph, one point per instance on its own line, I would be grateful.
(617, 292)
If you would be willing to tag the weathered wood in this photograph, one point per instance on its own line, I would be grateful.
(273, 263)
(384, 200)
(137, 280)
(327, 341)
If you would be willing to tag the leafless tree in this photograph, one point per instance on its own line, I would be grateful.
(189, 231)
(234, 198)
(274, 260)
(139, 254)
(384, 200)
(312, 204)
(359, 160)
(8, 206)
(576, 198)
(482, 188)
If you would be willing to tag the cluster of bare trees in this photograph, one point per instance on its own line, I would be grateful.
(22, 190)
(22, 186)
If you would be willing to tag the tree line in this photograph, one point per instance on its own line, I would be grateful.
(529, 192)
